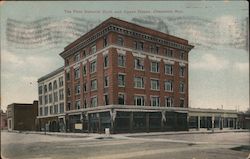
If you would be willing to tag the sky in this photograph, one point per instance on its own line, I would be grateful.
(34, 33)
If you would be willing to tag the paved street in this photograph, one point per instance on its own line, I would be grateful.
(184, 146)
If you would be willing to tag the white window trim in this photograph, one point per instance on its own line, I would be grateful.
(124, 79)
(151, 85)
(144, 99)
(151, 104)
(124, 96)
(142, 83)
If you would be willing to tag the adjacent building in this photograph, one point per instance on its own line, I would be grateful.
(22, 116)
(51, 101)
(128, 78)
(3, 120)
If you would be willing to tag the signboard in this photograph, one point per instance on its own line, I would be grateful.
(78, 126)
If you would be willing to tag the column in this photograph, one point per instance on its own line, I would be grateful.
(147, 121)
(222, 123)
(131, 122)
(198, 123)
(213, 123)
(163, 119)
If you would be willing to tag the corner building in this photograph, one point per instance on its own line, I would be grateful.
(128, 78)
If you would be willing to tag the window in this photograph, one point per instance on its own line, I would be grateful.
(121, 99)
(121, 80)
(69, 105)
(50, 86)
(106, 61)
(93, 85)
(106, 81)
(78, 104)
(40, 100)
(181, 87)
(85, 105)
(152, 49)
(61, 94)
(182, 103)
(169, 52)
(46, 111)
(155, 84)
(154, 67)
(169, 86)
(40, 90)
(138, 45)
(41, 111)
(61, 107)
(60, 81)
(139, 100)
(77, 89)
(77, 73)
(106, 99)
(121, 60)
(182, 55)
(93, 67)
(182, 71)
(168, 69)
(50, 98)
(84, 87)
(55, 97)
(120, 41)
(139, 64)
(157, 49)
(84, 54)
(84, 70)
(68, 92)
(51, 110)
(105, 41)
(138, 82)
(67, 62)
(155, 101)
(93, 102)
(77, 57)
(45, 89)
(169, 102)
(46, 99)
(93, 49)
(55, 109)
(68, 76)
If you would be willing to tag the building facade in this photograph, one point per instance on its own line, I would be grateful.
(22, 116)
(127, 78)
(51, 101)
(3, 120)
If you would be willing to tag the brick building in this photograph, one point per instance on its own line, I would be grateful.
(22, 116)
(51, 101)
(126, 77)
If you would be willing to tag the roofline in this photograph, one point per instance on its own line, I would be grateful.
(60, 69)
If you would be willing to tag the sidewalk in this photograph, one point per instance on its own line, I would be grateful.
(124, 135)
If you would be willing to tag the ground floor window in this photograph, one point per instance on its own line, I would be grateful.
(139, 100)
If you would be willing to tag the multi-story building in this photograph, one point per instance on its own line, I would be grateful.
(22, 116)
(51, 101)
(127, 78)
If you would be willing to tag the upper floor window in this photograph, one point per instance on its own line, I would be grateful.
(181, 87)
(46, 111)
(120, 41)
(41, 111)
(60, 81)
(106, 81)
(154, 67)
(45, 89)
(61, 107)
(61, 94)
(68, 76)
(51, 110)
(84, 70)
(169, 86)
(77, 57)
(121, 80)
(139, 64)
(67, 62)
(138, 45)
(169, 52)
(106, 99)
(40, 100)
(121, 60)
(77, 89)
(93, 85)
(182, 104)
(84, 54)
(157, 49)
(77, 73)
(168, 69)
(168, 102)
(93, 49)
(78, 104)
(155, 85)
(182, 56)
(50, 98)
(40, 89)
(155, 101)
(93, 102)
(138, 82)
(106, 61)
(55, 84)
(50, 86)
(105, 41)
(55, 97)
(84, 87)
(182, 71)
(55, 109)
(68, 92)
(46, 99)
(93, 66)
(121, 99)
(69, 105)
(139, 100)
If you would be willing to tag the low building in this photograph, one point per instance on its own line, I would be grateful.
(51, 101)
(3, 120)
(22, 116)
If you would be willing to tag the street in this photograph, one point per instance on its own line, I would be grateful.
(233, 145)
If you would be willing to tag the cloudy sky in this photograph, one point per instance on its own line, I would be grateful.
(34, 33)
